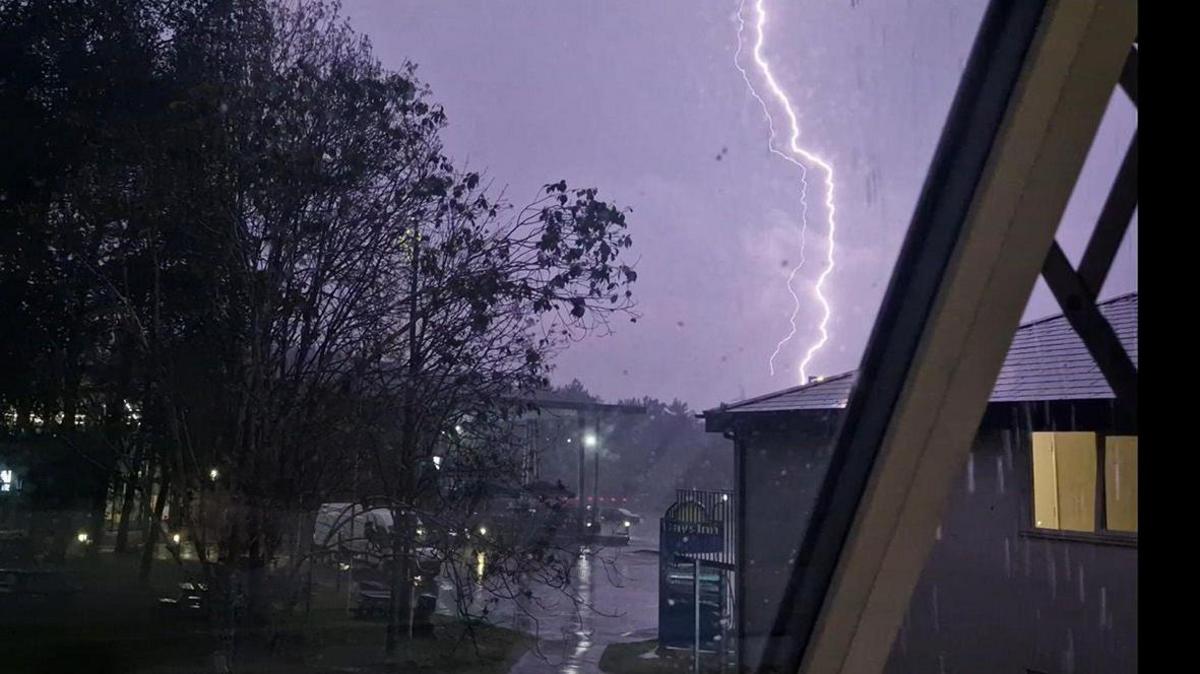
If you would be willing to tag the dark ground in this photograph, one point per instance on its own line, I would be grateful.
(643, 657)
(114, 624)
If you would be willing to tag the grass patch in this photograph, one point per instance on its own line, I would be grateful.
(115, 625)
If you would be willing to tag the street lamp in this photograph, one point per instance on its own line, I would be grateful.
(589, 442)
(214, 474)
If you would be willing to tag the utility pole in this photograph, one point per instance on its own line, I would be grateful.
(696, 616)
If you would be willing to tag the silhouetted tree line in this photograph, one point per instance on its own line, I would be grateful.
(239, 275)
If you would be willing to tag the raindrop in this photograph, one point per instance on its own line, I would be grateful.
(936, 622)
(1000, 474)
(938, 534)
(1008, 453)
(1104, 623)
(1007, 558)
(1082, 595)
(1069, 653)
(971, 473)
(1052, 572)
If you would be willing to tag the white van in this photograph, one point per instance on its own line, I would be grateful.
(349, 527)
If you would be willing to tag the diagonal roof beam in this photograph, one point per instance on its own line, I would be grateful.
(1114, 221)
(1129, 76)
(1079, 306)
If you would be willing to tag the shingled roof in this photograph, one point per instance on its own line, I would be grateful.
(1047, 361)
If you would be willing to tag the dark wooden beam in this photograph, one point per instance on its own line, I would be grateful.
(1111, 227)
(1080, 309)
(1129, 76)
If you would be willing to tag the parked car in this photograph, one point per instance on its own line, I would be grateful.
(373, 597)
(620, 517)
(191, 599)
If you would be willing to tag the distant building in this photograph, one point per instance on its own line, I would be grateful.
(1035, 565)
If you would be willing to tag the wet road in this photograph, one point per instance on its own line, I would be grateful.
(620, 585)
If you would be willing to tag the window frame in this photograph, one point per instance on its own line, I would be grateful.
(1036, 86)
(1101, 535)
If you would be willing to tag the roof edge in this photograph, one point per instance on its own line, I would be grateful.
(733, 407)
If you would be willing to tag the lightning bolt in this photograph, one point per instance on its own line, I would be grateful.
(737, 63)
(802, 158)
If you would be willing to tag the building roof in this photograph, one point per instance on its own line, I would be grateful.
(1047, 361)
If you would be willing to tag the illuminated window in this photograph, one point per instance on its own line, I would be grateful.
(1120, 483)
(1065, 470)
(1064, 481)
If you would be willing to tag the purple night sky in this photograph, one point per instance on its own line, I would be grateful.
(639, 98)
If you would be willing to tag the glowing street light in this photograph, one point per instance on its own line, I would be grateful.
(214, 474)
(589, 440)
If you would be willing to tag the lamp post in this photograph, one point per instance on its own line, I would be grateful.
(590, 441)
(587, 440)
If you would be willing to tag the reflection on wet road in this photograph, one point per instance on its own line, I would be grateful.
(619, 590)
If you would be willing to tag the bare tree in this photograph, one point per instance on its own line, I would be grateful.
(492, 292)
(277, 281)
